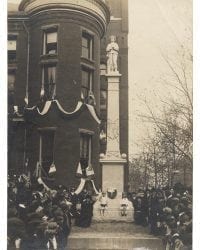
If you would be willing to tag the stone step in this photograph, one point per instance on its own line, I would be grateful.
(103, 242)
(107, 236)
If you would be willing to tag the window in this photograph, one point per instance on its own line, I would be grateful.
(47, 148)
(103, 99)
(103, 69)
(50, 41)
(85, 150)
(86, 83)
(11, 86)
(87, 46)
(12, 46)
(49, 81)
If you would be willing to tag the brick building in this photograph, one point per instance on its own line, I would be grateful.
(55, 52)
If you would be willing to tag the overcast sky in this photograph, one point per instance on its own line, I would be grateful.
(155, 27)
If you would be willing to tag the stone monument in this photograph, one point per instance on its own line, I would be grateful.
(113, 162)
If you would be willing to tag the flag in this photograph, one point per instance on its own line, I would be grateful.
(89, 171)
(82, 97)
(79, 172)
(42, 92)
(91, 98)
(26, 100)
(37, 170)
(52, 169)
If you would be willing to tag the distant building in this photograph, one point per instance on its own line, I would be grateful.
(55, 96)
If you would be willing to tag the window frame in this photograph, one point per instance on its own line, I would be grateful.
(42, 131)
(90, 81)
(48, 30)
(12, 37)
(104, 105)
(90, 40)
(11, 92)
(51, 92)
(87, 134)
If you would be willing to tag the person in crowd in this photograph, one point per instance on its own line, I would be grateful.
(124, 203)
(86, 212)
(103, 203)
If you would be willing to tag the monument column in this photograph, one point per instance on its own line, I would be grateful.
(112, 162)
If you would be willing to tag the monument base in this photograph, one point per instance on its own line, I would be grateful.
(113, 211)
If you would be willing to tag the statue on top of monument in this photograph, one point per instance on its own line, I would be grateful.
(112, 54)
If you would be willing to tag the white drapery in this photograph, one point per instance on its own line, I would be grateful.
(79, 105)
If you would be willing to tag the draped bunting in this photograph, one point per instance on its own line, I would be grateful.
(93, 113)
(79, 172)
(79, 105)
(45, 109)
(52, 169)
(40, 181)
(96, 191)
(81, 186)
(69, 113)
(89, 171)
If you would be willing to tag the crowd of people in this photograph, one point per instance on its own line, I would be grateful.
(41, 218)
(168, 213)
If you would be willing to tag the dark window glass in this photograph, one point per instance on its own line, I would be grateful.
(103, 99)
(86, 83)
(49, 81)
(47, 148)
(87, 46)
(12, 46)
(11, 86)
(85, 149)
(50, 42)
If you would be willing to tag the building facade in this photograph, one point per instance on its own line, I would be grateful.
(56, 52)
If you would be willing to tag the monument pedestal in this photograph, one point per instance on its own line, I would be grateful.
(112, 211)
(113, 179)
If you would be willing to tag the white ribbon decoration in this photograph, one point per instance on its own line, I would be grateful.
(93, 113)
(40, 181)
(79, 105)
(45, 109)
(81, 186)
(94, 187)
(69, 113)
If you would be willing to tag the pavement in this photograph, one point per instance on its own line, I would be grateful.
(113, 235)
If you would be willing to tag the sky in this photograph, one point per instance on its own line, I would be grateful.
(156, 27)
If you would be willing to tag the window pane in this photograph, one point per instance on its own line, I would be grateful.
(103, 69)
(51, 74)
(47, 148)
(52, 37)
(85, 52)
(85, 79)
(11, 81)
(87, 46)
(50, 42)
(103, 99)
(85, 42)
(84, 149)
(12, 44)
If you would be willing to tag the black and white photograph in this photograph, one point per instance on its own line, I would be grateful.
(99, 125)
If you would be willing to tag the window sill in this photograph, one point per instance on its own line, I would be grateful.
(49, 58)
(87, 62)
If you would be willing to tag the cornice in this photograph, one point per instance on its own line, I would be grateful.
(95, 8)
